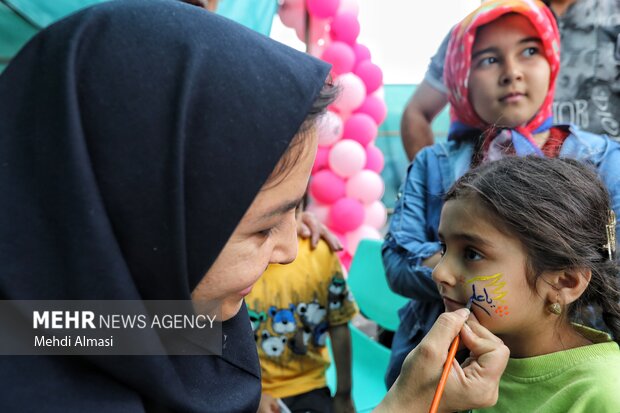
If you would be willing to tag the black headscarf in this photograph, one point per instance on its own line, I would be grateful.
(133, 137)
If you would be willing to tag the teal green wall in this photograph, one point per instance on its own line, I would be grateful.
(388, 140)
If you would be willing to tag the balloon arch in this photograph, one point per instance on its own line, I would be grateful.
(346, 186)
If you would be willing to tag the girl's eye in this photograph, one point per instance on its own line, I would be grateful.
(531, 51)
(442, 251)
(472, 255)
(487, 61)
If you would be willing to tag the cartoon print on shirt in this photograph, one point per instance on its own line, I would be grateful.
(256, 319)
(320, 333)
(273, 345)
(337, 292)
(283, 319)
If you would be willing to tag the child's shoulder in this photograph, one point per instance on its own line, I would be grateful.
(599, 381)
(581, 138)
(321, 254)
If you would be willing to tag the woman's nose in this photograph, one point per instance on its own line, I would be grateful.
(285, 249)
(443, 274)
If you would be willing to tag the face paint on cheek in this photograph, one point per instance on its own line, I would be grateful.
(490, 295)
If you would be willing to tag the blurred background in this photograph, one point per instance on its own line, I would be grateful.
(401, 35)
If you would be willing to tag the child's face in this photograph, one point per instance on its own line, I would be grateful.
(487, 266)
(509, 76)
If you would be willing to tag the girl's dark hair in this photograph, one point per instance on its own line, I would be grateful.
(326, 97)
(559, 210)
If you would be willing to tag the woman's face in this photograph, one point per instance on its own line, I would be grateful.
(266, 234)
(509, 76)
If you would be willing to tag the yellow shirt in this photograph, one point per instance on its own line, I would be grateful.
(292, 307)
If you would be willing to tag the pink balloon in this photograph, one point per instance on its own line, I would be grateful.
(320, 211)
(346, 158)
(294, 3)
(380, 93)
(374, 107)
(376, 215)
(326, 187)
(371, 75)
(362, 53)
(374, 159)
(345, 259)
(349, 6)
(361, 128)
(321, 160)
(341, 237)
(340, 55)
(322, 9)
(363, 232)
(330, 129)
(346, 215)
(291, 16)
(365, 186)
(352, 93)
(345, 28)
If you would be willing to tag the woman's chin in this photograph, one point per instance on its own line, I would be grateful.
(230, 309)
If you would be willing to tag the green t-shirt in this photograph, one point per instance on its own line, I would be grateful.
(584, 379)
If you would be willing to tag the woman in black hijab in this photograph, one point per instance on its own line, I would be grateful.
(150, 150)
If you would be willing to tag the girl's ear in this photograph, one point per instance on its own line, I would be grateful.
(566, 286)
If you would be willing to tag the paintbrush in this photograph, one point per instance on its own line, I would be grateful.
(446, 369)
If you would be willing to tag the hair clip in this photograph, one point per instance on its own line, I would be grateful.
(610, 228)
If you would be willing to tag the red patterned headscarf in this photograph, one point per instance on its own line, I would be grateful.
(458, 62)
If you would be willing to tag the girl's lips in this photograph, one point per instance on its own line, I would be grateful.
(452, 305)
(512, 98)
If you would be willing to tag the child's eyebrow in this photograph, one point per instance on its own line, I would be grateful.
(531, 39)
(483, 51)
(469, 238)
(493, 49)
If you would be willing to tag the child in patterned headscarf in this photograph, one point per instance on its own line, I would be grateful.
(501, 67)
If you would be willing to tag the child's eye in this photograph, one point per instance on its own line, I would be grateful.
(531, 51)
(472, 255)
(487, 61)
(442, 251)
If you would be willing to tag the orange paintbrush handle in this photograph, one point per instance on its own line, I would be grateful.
(444, 375)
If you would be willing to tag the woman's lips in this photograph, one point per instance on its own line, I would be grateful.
(246, 291)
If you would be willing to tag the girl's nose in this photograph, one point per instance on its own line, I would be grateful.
(512, 72)
(285, 248)
(443, 274)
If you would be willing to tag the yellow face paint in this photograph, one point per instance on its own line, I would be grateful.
(495, 285)
(494, 281)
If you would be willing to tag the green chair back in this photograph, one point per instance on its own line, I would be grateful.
(370, 288)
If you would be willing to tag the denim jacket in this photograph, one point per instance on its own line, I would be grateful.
(412, 235)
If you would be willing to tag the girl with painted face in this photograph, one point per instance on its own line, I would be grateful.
(151, 150)
(501, 67)
(530, 241)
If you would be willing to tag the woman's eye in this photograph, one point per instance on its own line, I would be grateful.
(531, 51)
(265, 233)
(472, 255)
